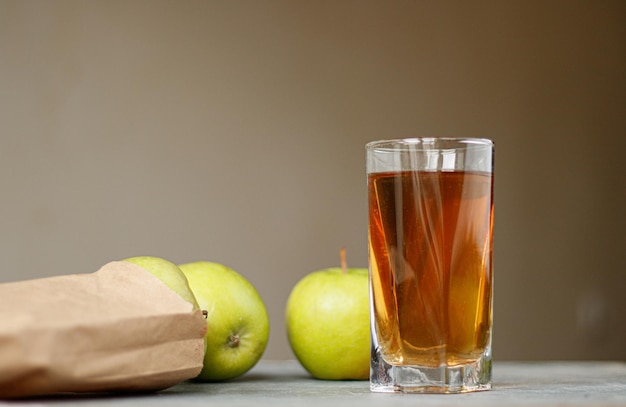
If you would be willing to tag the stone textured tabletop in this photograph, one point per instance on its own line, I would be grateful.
(285, 383)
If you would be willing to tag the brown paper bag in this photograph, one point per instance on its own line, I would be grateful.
(118, 329)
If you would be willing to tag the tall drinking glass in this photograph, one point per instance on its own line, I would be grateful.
(430, 262)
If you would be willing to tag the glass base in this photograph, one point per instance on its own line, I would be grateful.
(475, 376)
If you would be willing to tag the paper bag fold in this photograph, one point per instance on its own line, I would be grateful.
(118, 329)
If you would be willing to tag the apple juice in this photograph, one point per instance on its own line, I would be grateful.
(430, 238)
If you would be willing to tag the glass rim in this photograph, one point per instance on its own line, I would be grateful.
(428, 143)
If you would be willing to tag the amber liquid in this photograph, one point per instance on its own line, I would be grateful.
(430, 236)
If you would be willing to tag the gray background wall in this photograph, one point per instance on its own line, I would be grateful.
(234, 132)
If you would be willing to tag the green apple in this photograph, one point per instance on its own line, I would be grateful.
(169, 273)
(327, 318)
(237, 320)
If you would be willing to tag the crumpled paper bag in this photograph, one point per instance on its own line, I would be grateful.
(118, 329)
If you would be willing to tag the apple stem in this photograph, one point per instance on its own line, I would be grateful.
(342, 255)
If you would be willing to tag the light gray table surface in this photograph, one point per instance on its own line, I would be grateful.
(285, 383)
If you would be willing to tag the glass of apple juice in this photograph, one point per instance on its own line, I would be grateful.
(430, 264)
